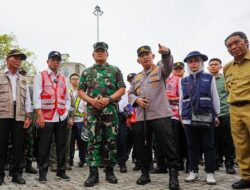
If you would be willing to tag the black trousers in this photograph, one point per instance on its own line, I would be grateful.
(122, 141)
(200, 140)
(14, 129)
(224, 142)
(180, 140)
(45, 139)
(164, 141)
(76, 137)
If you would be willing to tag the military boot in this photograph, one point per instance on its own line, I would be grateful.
(173, 179)
(144, 178)
(93, 177)
(110, 176)
(29, 168)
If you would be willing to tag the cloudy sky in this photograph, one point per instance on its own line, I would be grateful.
(69, 26)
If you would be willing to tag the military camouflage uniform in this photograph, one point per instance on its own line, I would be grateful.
(29, 142)
(102, 80)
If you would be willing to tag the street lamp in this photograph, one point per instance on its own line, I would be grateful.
(97, 12)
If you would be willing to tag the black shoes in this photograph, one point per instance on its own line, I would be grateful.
(241, 184)
(71, 162)
(81, 163)
(63, 176)
(42, 179)
(110, 176)
(123, 169)
(173, 179)
(93, 177)
(143, 179)
(230, 170)
(18, 180)
(30, 169)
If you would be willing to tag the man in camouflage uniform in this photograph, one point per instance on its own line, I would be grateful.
(101, 86)
(29, 139)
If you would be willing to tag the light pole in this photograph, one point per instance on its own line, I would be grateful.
(97, 12)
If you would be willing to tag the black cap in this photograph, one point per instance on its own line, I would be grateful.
(100, 45)
(179, 64)
(130, 75)
(143, 49)
(15, 52)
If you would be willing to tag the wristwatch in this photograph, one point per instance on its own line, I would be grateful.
(111, 99)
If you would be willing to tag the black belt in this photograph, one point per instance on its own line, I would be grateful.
(240, 103)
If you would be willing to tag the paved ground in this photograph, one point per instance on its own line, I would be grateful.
(126, 181)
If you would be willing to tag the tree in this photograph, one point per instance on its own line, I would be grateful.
(9, 42)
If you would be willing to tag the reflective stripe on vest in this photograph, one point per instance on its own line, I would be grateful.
(53, 96)
(77, 113)
(200, 90)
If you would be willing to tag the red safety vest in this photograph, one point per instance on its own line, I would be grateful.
(172, 85)
(53, 95)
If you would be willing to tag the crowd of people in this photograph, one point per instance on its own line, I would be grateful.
(165, 116)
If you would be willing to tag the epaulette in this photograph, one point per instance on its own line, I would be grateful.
(138, 76)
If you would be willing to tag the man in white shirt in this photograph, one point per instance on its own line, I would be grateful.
(78, 114)
(15, 109)
(51, 102)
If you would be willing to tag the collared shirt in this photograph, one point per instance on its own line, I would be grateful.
(37, 96)
(237, 79)
(153, 87)
(13, 80)
(220, 85)
(123, 102)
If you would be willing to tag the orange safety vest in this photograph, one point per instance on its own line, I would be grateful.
(172, 86)
(53, 95)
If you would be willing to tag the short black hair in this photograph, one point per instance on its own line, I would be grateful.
(238, 33)
(215, 59)
(74, 74)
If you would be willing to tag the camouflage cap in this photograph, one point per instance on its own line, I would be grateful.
(143, 49)
(100, 45)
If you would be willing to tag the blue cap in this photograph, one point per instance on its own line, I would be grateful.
(55, 54)
(196, 54)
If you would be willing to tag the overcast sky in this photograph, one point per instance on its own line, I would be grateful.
(69, 26)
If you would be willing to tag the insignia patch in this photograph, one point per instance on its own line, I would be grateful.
(24, 82)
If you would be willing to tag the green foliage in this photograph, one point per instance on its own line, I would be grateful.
(9, 42)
